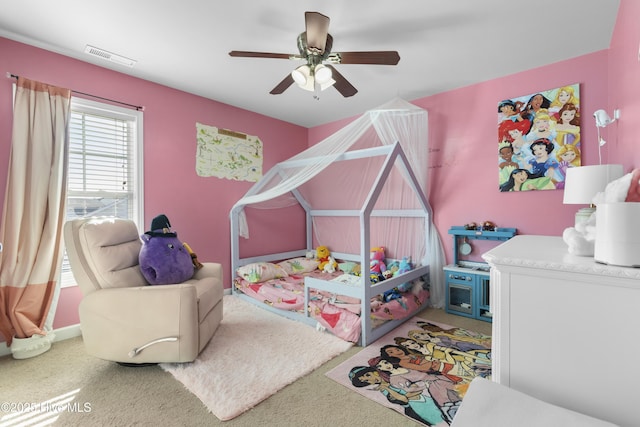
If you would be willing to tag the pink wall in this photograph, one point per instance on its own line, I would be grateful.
(462, 122)
(197, 207)
(624, 87)
(462, 181)
(462, 177)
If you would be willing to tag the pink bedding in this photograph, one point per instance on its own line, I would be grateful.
(286, 293)
(337, 313)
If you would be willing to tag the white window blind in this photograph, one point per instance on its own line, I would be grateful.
(105, 165)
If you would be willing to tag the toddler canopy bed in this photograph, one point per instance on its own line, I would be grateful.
(359, 188)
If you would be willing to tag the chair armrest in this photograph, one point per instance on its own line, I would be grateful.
(209, 269)
(115, 321)
(142, 302)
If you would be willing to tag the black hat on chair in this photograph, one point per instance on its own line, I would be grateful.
(161, 227)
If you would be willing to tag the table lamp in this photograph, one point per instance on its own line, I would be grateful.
(584, 182)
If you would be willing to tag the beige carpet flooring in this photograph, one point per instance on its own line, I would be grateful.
(106, 394)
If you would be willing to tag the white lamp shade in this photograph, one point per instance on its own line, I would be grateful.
(327, 84)
(602, 118)
(301, 75)
(584, 182)
(308, 80)
(322, 74)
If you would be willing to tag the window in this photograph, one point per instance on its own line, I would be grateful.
(105, 165)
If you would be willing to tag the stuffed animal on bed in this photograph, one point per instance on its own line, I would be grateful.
(404, 265)
(330, 265)
(323, 255)
(376, 263)
(163, 258)
(350, 267)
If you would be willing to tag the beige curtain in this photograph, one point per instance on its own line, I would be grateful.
(34, 208)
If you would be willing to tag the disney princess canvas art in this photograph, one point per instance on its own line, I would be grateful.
(538, 139)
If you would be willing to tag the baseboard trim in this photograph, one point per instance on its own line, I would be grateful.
(62, 334)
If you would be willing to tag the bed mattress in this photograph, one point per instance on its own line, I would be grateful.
(339, 314)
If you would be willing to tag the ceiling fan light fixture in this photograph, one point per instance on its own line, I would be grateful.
(326, 84)
(322, 74)
(309, 86)
(301, 75)
(314, 47)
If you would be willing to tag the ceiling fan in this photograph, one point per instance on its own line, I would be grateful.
(314, 45)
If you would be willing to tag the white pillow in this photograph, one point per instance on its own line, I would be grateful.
(299, 265)
(261, 271)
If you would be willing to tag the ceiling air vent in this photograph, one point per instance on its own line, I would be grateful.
(109, 56)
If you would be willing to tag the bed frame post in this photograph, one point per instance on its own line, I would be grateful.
(235, 242)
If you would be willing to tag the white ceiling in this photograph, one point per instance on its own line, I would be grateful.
(443, 44)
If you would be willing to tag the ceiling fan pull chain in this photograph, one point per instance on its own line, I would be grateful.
(316, 87)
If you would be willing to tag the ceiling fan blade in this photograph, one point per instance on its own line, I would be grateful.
(342, 85)
(317, 28)
(382, 57)
(282, 86)
(245, 54)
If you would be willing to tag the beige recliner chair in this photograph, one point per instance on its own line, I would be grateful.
(122, 318)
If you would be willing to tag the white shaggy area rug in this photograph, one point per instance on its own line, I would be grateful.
(252, 355)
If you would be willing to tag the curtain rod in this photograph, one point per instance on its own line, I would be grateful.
(137, 107)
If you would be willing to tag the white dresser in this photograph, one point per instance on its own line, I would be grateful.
(565, 328)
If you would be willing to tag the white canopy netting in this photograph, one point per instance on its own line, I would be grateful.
(343, 172)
